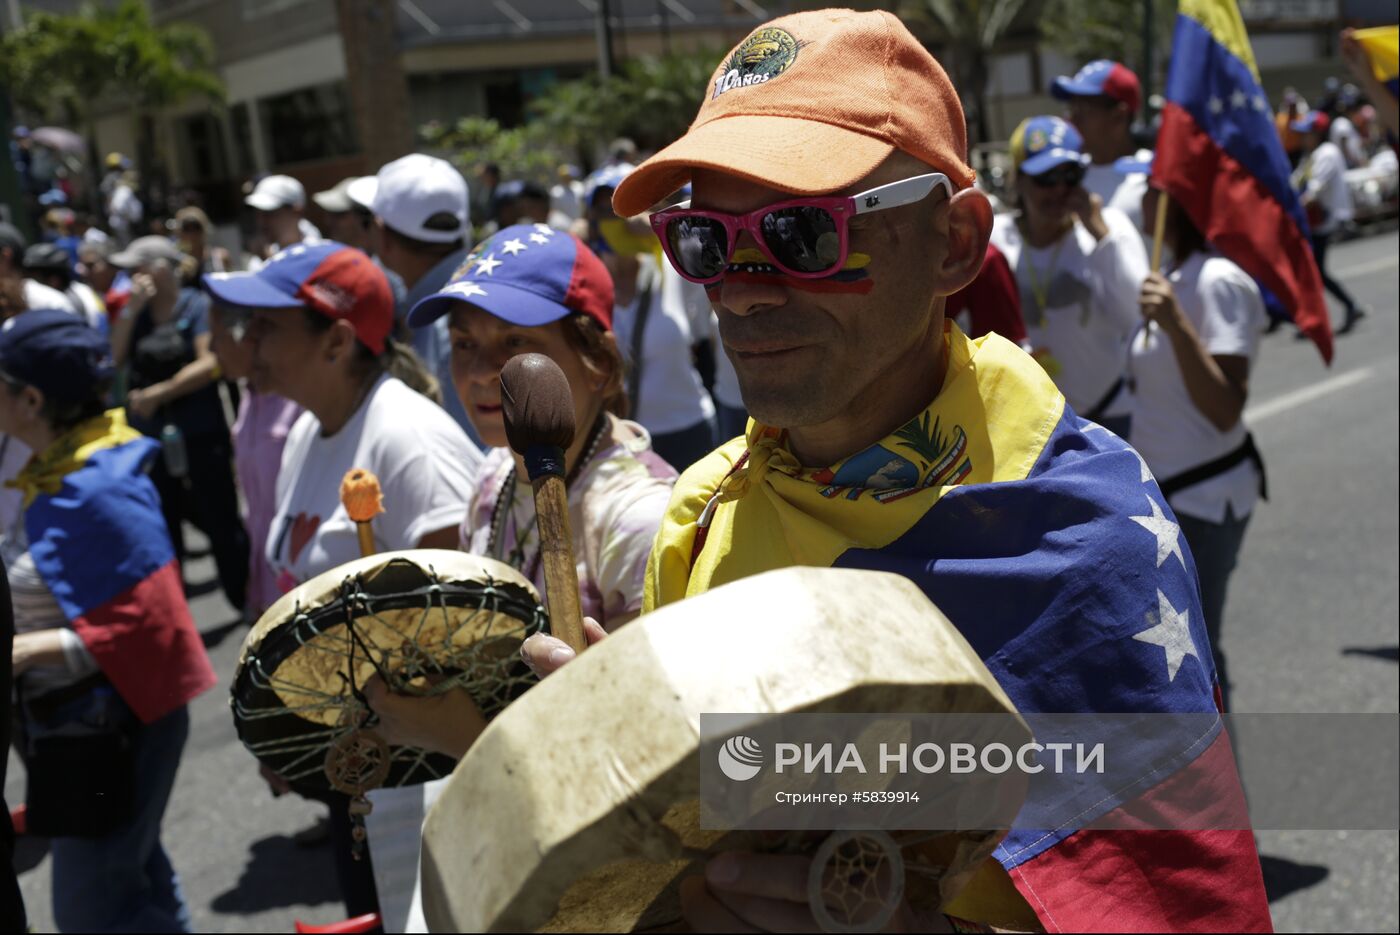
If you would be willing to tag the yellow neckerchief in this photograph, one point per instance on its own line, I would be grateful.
(45, 471)
(989, 422)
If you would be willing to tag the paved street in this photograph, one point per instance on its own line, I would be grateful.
(1311, 626)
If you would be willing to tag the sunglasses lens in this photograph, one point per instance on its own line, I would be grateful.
(1068, 175)
(700, 246)
(804, 239)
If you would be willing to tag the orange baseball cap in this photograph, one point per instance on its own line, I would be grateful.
(810, 103)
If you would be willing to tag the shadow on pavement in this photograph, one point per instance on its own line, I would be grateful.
(1282, 876)
(281, 873)
(220, 633)
(202, 588)
(1388, 653)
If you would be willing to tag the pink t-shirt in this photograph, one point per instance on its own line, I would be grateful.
(616, 504)
(259, 433)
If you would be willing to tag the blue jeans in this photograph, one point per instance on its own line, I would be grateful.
(124, 882)
(1215, 547)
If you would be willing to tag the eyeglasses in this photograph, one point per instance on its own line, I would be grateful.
(806, 238)
(1069, 174)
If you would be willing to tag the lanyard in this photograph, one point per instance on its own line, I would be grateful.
(1041, 291)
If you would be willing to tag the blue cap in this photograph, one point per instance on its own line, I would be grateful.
(1101, 78)
(1044, 143)
(528, 275)
(338, 281)
(1132, 165)
(57, 352)
(1312, 121)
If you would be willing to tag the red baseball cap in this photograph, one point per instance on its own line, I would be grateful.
(1102, 78)
(338, 281)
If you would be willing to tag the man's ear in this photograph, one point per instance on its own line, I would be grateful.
(969, 229)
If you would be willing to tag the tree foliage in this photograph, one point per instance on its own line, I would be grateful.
(652, 100)
(57, 66)
(968, 32)
(1085, 30)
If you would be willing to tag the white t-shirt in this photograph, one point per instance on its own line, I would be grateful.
(1091, 302)
(38, 295)
(1323, 177)
(1169, 431)
(14, 455)
(671, 396)
(426, 468)
(1348, 139)
(1119, 191)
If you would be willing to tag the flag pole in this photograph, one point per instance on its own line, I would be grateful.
(1159, 231)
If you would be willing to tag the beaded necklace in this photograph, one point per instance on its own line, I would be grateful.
(501, 511)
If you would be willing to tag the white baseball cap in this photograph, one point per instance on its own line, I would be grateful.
(419, 196)
(277, 191)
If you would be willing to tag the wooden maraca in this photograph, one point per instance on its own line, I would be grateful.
(538, 409)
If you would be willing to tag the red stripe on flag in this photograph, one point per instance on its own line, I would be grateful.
(1158, 881)
(1238, 214)
(145, 642)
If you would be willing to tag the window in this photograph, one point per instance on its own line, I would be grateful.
(313, 123)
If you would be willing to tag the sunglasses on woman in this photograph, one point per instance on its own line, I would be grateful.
(806, 238)
(1068, 174)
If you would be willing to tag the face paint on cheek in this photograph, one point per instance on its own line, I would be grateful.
(750, 265)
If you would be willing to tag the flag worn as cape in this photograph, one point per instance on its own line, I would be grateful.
(1046, 541)
(99, 540)
(1219, 156)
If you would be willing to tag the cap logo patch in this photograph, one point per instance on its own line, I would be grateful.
(329, 296)
(765, 54)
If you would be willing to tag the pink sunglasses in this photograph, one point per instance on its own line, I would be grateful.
(806, 238)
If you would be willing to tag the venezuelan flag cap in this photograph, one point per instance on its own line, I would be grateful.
(1101, 78)
(327, 277)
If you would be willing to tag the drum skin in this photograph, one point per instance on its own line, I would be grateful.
(414, 613)
(577, 809)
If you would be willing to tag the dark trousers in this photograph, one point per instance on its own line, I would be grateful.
(1319, 245)
(683, 448)
(1215, 547)
(208, 498)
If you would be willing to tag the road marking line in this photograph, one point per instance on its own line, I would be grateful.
(1375, 266)
(1289, 401)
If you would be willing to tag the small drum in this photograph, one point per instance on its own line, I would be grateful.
(577, 809)
(424, 620)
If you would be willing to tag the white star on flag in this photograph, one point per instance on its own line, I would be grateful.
(513, 247)
(466, 289)
(1168, 533)
(486, 266)
(1142, 463)
(1238, 99)
(298, 250)
(1260, 104)
(538, 238)
(544, 229)
(1170, 631)
(1216, 105)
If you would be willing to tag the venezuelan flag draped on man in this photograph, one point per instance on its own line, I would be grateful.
(1219, 156)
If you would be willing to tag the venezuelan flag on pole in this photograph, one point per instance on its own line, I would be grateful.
(1382, 45)
(1219, 157)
